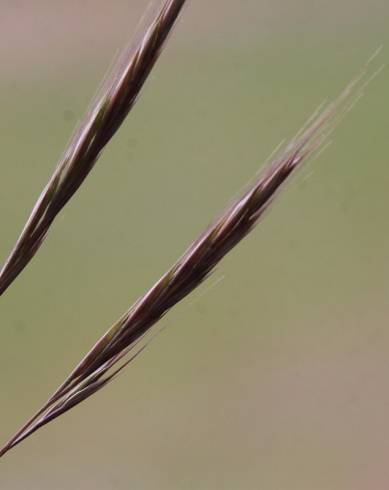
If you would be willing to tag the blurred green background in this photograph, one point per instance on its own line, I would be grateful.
(274, 375)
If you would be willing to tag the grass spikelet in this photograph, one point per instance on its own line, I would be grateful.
(118, 347)
(118, 95)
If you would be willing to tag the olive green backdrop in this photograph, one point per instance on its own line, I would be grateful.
(274, 375)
